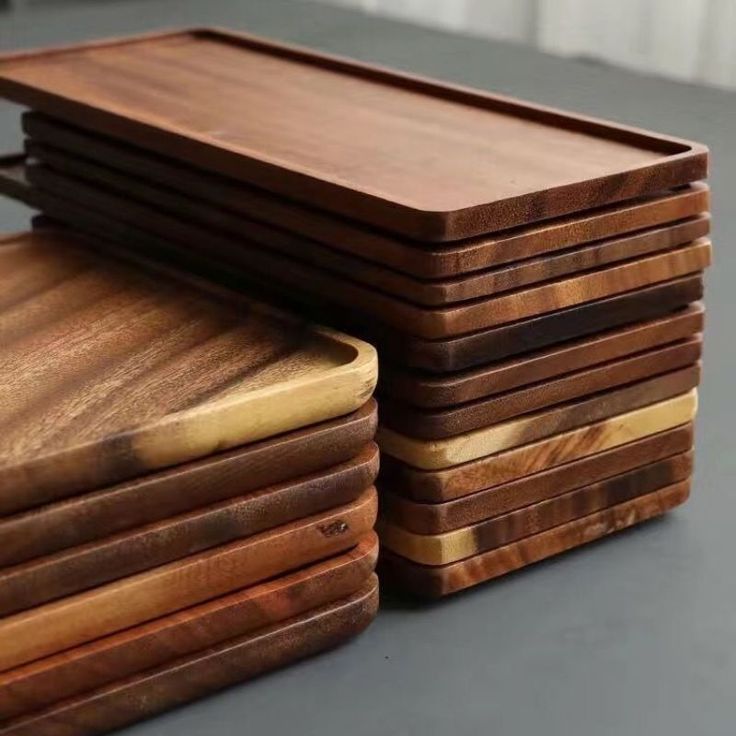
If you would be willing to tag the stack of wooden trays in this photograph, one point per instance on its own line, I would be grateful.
(530, 277)
(186, 488)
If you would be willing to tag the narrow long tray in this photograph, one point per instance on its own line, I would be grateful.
(430, 160)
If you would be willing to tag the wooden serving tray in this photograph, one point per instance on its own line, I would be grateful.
(140, 371)
(431, 324)
(437, 486)
(421, 260)
(444, 549)
(156, 496)
(70, 571)
(140, 696)
(431, 392)
(438, 518)
(423, 293)
(65, 623)
(91, 666)
(435, 582)
(444, 453)
(429, 160)
(437, 424)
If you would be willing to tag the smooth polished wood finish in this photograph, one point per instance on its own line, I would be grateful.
(70, 621)
(142, 696)
(475, 415)
(437, 454)
(444, 549)
(435, 582)
(140, 372)
(422, 293)
(429, 391)
(485, 162)
(438, 518)
(91, 666)
(421, 260)
(73, 570)
(156, 496)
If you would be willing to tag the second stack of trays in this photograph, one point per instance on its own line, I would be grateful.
(531, 278)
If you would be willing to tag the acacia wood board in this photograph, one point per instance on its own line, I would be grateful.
(143, 695)
(459, 544)
(332, 288)
(421, 260)
(437, 424)
(438, 518)
(429, 391)
(490, 471)
(435, 582)
(91, 666)
(68, 622)
(140, 371)
(81, 519)
(423, 293)
(327, 128)
(43, 579)
(447, 452)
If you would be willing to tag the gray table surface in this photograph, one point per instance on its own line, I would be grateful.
(633, 635)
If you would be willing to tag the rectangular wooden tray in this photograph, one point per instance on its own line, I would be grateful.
(103, 157)
(429, 160)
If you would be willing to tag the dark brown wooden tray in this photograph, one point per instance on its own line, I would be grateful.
(75, 569)
(91, 666)
(420, 260)
(140, 696)
(51, 628)
(435, 582)
(156, 496)
(429, 160)
(448, 422)
(466, 287)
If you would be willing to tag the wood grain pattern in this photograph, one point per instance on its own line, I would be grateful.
(436, 424)
(156, 496)
(422, 293)
(94, 665)
(141, 696)
(421, 260)
(435, 582)
(437, 486)
(449, 547)
(438, 518)
(70, 621)
(140, 373)
(422, 322)
(485, 163)
(429, 391)
(75, 569)
(437, 454)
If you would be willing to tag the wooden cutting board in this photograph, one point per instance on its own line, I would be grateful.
(80, 519)
(438, 518)
(435, 582)
(428, 391)
(75, 569)
(459, 288)
(462, 162)
(437, 424)
(431, 324)
(65, 623)
(132, 699)
(421, 260)
(444, 453)
(140, 371)
(449, 547)
(438, 486)
(91, 666)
